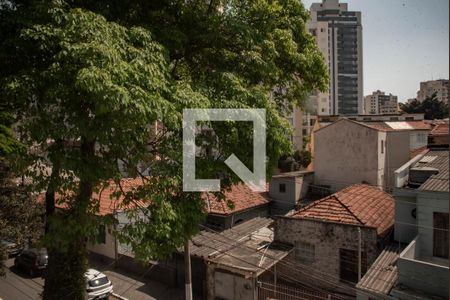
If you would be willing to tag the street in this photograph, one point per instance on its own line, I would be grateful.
(19, 286)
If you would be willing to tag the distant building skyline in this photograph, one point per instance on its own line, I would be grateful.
(405, 42)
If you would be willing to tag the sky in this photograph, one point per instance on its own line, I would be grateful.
(404, 42)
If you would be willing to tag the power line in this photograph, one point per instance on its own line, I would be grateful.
(295, 267)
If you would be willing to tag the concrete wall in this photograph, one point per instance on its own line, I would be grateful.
(425, 276)
(230, 286)
(327, 238)
(405, 223)
(346, 153)
(107, 249)
(427, 204)
(398, 151)
(418, 139)
(296, 189)
(293, 188)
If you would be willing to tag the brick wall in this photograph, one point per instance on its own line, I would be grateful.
(328, 238)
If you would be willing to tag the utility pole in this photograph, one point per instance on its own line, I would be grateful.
(359, 254)
(187, 270)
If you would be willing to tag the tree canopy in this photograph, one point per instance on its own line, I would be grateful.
(89, 80)
(431, 107)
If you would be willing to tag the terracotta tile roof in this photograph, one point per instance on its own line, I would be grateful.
(397, 125)
(440, 129)
(419, 125)
(107, 202)
(240, 195)
(359, 204)
(413, 153)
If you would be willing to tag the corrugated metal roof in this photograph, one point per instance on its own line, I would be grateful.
(437, 159)
(243, 248)
(383, 274)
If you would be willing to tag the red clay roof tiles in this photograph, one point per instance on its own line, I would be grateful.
(440, 129)
(240, 195)
(359, 204)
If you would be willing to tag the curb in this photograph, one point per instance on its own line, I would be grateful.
(119, 297)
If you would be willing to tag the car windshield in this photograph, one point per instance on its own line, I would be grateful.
(98, 281)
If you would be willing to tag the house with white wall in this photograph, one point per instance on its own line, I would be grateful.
(416, 266)
(348, 152)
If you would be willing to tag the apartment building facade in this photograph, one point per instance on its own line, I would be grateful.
(428, 88)
(338, 33)
(380, 103)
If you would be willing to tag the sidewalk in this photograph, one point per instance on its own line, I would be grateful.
(131, 286)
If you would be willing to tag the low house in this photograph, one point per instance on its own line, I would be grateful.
(415, 266)
(330, 234)
(286, 190)
(229, 264)
(422, 224)
(348, 152)
(240, 204)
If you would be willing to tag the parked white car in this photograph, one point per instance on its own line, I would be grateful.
(98, 286)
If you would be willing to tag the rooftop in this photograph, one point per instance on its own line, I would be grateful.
(383, 274)
(439, 129)
(293, 174)
(240, 196)
(247, 247)
(398, 125)
(437, 162)
(359, 204)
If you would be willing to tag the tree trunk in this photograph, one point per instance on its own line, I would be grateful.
(67, 265)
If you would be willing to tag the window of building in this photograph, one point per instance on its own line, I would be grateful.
(382, 146)
(348, 265)
(304, 251)
(440, 234)
(282, 188)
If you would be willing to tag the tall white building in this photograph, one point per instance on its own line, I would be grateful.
(428, 88)
(380, 104)
(338, 33)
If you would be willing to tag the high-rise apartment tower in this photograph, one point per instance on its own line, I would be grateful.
(338, 33)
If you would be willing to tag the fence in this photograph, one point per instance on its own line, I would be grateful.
(283, 292)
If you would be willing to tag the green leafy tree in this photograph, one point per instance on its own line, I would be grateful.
(431, 107)
(303, 157)
(20, 214)
(87, 79)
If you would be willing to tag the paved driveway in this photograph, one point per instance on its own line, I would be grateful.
(19, 286)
